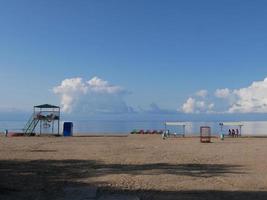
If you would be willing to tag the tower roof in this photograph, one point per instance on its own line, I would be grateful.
(46, 106)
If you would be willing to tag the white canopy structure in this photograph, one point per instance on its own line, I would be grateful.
(231, 123)
(177, 124)
(238, 124)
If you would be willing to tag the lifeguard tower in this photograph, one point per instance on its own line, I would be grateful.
(48, 118)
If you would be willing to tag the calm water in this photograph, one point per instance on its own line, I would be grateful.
(124, 127)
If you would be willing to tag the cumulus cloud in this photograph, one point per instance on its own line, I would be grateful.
(197, 106)
(189, 106)
(202, 93)
(93, 96)
(100, 86)
(99, 96)
(222, 93)
(252, 99)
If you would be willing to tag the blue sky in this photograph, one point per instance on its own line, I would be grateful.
(160, 53)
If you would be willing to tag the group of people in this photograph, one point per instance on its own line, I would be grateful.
(233, 133)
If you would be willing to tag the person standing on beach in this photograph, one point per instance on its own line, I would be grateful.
(229, 132)
(233, 132)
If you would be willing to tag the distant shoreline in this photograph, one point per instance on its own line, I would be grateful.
(93, 134)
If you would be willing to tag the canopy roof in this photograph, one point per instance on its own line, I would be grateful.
(232, 124)
(46, 106)
(175, 123)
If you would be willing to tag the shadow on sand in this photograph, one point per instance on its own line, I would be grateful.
(46, 179)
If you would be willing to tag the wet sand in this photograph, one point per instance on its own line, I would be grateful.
(143, 165)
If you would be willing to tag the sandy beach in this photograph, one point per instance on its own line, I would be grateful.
(142, 165)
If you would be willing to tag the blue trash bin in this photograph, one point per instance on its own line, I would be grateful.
(67, 129)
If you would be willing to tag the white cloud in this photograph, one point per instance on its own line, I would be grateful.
(194, 106)
(222, 93)
(189, 106)
(252, 99)
(99, 96)
(211, 106)
(200, 104)
(70, 91)
(100, 86)
(202, 93)
(92, 96)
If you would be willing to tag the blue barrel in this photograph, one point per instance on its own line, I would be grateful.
(67, 129)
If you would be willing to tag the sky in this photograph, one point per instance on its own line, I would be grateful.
(124, 58)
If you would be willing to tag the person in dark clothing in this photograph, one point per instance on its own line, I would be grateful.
(233, 132)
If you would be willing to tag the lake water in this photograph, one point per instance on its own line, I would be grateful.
(124, 127)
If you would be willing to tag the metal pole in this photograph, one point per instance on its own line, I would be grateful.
(40, 127)
(40, 112)
(53, 111)
(58, 121)
(53, 126)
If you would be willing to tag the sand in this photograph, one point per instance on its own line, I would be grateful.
(143, 165)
